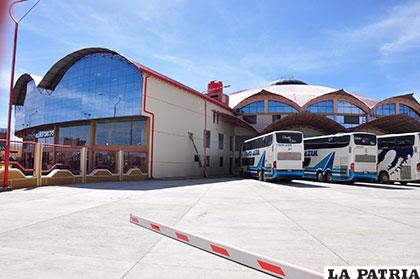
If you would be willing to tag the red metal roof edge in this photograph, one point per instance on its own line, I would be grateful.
(179, 84)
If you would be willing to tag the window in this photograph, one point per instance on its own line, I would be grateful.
(274, 106)
(230, 143)
(322, 107)
(267, 140)
(346, 107)
(251, 119)
(221, 141)
(206, 137)
(255, 107)
(394, 142)
(258, 143)
(239, 141)
(350, 121)
(221, 162)
(127, 132)
(275, 117)
(386, 109)
(409, 111)
(289, 137)
(327, 142)
(135, 160)
(364, 139)
(74, 135)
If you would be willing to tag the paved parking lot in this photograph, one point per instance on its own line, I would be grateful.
(83, 231)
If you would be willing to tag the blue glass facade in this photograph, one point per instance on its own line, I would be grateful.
(256, 107)
(322, 107)
(97, 86)
(407, 110)
(386, 109)
(346, 107)
(274, 106)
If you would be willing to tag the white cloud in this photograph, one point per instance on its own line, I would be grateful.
(394, 33)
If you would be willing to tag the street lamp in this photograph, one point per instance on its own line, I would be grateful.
(115, 104)
(12, 80)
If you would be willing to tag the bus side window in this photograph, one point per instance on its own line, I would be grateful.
(268, 140)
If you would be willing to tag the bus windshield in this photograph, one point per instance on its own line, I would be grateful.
(289, 137)
(364, 139)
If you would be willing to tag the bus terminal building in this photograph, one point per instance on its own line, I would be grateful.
(100, 99)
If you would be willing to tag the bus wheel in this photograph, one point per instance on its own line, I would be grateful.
(328, 177)
(261, 175)
(320, 177)
(383, 177)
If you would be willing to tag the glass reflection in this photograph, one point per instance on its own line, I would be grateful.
(97, 86)
(322, 107)
(74, 135)
(255, 107)
(274, 106)
(129, 132)
(346, 107)
(409, 111)
(386, 109)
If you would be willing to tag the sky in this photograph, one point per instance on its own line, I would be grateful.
(367, 47)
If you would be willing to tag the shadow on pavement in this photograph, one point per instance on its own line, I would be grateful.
(145, 185)
(295, 184)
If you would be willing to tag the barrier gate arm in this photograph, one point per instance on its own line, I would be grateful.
(264, 264)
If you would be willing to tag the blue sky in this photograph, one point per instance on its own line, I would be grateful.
(368, 47)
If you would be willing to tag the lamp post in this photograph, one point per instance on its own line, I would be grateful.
(116, 103)
(12, 80)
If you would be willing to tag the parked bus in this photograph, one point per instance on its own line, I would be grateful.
(341, 157)
(399, 158)
(276, 155)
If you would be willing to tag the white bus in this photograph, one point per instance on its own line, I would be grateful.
(341, 157)
(399, 158)
(276, 155)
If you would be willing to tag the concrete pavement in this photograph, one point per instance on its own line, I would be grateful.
(82, 231)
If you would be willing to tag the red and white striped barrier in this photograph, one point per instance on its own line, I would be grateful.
(264, 264)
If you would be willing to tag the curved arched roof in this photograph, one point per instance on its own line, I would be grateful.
(300, 94)
(400, 123)
(57, 71)
(274, 97)
(306, 119)
(407, 99)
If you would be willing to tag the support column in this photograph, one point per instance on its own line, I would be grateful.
(38, 164)
(83, 163)
(120, 164)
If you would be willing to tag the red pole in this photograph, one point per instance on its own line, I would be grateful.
(9, 119)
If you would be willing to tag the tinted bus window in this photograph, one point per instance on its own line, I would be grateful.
(387, 143)
(364, 139)
(405, 141)
(268, 140)
(329, 142)
(289, 137)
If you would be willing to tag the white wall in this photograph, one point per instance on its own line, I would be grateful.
(178, 112)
